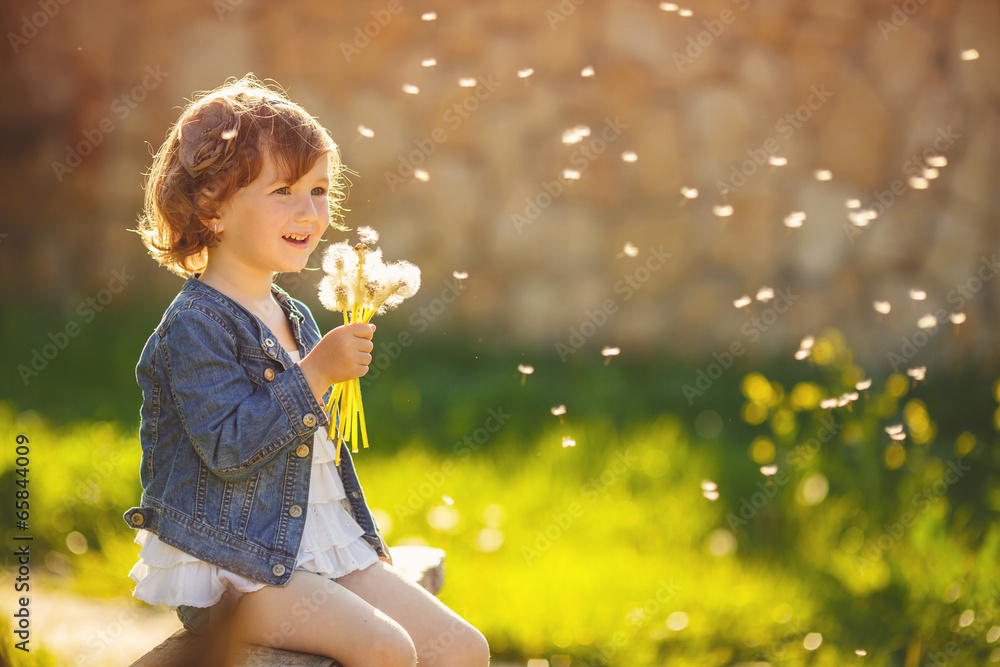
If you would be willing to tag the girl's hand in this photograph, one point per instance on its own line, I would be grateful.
(342, 354)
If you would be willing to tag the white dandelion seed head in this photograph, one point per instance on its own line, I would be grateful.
(587, 71)
(525, 369)
(918, 373)
(428, 62)
(864, 384)
(918, 182)
(558, 410)
(525, 73)
(668, 7)
(568, 441)
(917, 294)
(853, 203)
(460, 275)
(339, 259)
(823, 174)
(765, 294)
(723, 211)
(367, 235)
(421, 175)
(467, 82)
(882, 307)
(794, 219)
(365, 131)
(629, 156)
(777, 161)
(689, 193)
(610, 352)
(571, 175)
(410, 89)
(743, 301)
(429, 16)
(937, 161)
(957, 318)
(630, 250)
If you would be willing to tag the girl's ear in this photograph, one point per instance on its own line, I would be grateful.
(207, 200)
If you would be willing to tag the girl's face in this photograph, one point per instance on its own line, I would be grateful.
(271, 226)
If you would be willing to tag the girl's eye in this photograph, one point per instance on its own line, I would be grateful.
(279, 190)
(319, 191)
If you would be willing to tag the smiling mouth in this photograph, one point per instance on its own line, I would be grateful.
(297, 240)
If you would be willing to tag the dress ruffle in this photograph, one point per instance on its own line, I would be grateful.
(331, 546)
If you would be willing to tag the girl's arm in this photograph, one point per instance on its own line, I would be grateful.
(234, 426)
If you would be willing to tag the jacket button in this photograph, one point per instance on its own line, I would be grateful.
(309, 419)
(269, 374)
(278, 570)
(137, 519)
(302, 450)
(295, 511)
(269, 342)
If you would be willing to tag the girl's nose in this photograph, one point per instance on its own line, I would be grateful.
(306, 210)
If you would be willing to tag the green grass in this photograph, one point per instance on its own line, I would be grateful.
(608, 551)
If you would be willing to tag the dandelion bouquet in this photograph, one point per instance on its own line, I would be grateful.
(359, 283)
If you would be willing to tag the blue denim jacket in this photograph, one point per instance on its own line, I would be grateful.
(227, 425)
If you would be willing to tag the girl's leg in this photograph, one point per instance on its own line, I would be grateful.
(442, 638)
(315, 615)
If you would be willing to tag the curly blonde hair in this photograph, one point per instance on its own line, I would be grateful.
(217, 147)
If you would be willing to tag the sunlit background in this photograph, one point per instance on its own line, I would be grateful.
(722, 272)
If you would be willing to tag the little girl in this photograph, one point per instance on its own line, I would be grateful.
(242, 503)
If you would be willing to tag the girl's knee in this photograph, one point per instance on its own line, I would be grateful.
(393, 649)
(469, 649)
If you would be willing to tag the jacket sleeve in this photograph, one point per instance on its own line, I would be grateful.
(234, 426)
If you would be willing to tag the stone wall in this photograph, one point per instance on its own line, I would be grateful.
(865, 89)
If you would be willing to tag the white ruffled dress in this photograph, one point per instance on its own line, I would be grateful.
(331, 546)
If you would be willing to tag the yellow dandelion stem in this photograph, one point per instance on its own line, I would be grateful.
(355, 410)
(361, 413)
(346, 414)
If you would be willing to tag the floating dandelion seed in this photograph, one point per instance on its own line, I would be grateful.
(525, 73)
(428, 62)
(410, 89)
(849, 397)
(421, 175)
(937, 161)
(812, 641)
(918, 294)
(927, 322)
(794, 219)
(823, 174)
(918, 182)
(807, 343)
(587, 71)
(777, 161)
(685, 13)
(723, 211)
(367, 235)
(970, 54)
(628, 251)
(571, 175)
(918, 373)
(448, 500)
(689, 193)
(558, 410)
(768, 471)
(893, 429)
(460, 276)
(366, 131)
(575, 135)
(668, 7)
(609, 352)
(828, 403)
(801, 355)
(743, 301)
(467, 82)
(629, 156)
(882, 307)
(853, 203)
(957, 318)
(708, 485)
(765, 294)
(568, 441)
(860, 652)
(898, 437)
(429, 16)
(711, 495)
(862, 217)
(930, 173)
(525, 371)
(864, 384)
